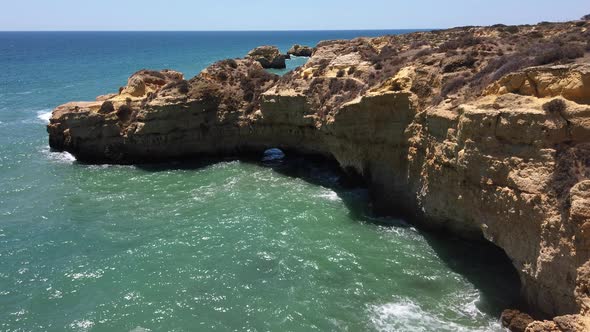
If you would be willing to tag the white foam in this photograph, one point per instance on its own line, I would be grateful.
(140, 329)
(330, 195)
(64, 157)
(44, 115)
(82, 325)
(61, 157)
(405, 315)
(86, 275)
(470, 309)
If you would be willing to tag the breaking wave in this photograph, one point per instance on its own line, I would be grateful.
(405, 315)
(44, 115)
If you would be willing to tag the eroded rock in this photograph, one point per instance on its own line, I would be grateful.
(299, 50)
(569, 81)
(511, 164)
(268, 57)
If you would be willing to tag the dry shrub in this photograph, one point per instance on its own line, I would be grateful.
(555, 53)
(423, 52)
(535, 34)
(461, 42)
(418, 43)
(555, 106)
(511, 29)
(230, 63)
(462, 62)
(452, 86)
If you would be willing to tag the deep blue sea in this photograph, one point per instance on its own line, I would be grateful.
(226, 246)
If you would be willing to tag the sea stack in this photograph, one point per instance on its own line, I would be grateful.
(299, 50)
(268, 57)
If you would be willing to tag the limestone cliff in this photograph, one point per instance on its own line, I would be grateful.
(480, 130)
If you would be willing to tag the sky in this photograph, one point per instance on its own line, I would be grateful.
(279, 14)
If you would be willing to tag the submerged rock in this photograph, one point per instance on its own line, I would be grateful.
(299, 50)
(496, 146)
(268, 56)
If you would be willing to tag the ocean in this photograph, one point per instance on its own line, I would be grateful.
(211, 246)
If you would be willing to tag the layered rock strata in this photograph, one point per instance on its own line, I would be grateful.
(466, 129)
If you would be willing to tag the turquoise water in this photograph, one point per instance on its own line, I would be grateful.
(225, 246)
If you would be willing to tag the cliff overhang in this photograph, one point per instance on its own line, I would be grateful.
(465, 129)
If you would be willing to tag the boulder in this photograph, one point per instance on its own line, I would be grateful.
(268, 56)
(515, 320)
(299, 50)
(145, 81)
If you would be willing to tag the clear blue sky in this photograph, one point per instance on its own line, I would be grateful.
(278, 14)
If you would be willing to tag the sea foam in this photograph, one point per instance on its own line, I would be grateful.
(44, 115)
(61, 157)
(405, 315)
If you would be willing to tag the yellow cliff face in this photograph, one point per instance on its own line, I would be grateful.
(464, 129)
(569, 81)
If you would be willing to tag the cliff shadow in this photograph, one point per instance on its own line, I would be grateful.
(481, 263)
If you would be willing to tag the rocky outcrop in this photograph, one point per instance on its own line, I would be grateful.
(268, 57)
(517, 321)
(571, 82)
(299, 50)
(209, 113)
(148, 81)
(463, 129)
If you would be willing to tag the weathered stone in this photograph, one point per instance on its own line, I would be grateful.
(299, 50)
(515, 320)
(268, 56)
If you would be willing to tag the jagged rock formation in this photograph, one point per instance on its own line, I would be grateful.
(268, 57)
(483, 131)
(299, 50)
(517, 321)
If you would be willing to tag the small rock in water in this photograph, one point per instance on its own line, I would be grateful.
(273, 155)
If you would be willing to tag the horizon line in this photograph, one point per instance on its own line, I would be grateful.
(279, 30)
(296, 30)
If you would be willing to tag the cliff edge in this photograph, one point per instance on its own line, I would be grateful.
(484, 131)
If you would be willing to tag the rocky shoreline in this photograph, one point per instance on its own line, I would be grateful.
(484, 131)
